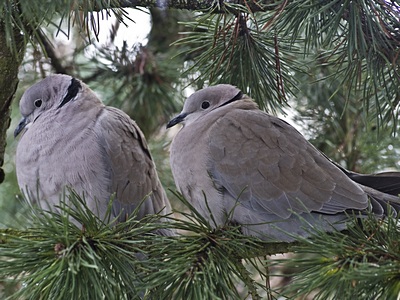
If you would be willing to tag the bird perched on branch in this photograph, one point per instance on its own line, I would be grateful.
(247, 167)
(71, 139)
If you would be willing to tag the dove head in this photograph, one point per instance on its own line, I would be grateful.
(204, 101)
(53, 92)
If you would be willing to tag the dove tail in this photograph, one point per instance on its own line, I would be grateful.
(382, 203)
(387, 182)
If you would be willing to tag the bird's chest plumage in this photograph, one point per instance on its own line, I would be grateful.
(191, 152)
(191, 166)
(52, 154)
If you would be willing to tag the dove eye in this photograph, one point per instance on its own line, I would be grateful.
(205, 105)
(38, 102)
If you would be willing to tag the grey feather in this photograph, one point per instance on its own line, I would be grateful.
(71, 139)
(237, 154)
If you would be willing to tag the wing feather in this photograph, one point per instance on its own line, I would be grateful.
(134, 177)
(274, 169)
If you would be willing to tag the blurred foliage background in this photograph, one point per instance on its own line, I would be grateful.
(331, 68)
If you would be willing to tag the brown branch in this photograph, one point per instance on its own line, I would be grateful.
(8, 235)
(219, 6)
(51, 54)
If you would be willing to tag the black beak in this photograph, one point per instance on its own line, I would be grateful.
(176, 120)
(20, 127)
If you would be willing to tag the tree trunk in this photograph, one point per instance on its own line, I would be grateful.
(10, 60)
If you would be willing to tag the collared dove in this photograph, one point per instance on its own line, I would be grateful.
(71, 139)
(250, 168)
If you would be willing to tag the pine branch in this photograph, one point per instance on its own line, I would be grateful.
(362, 263)
(135, 79)
(232, 49)
(55, 258)
(220, 5)
(51, 54)
(359, 38)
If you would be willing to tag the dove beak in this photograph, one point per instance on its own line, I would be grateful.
(178, 119)
(21, 125)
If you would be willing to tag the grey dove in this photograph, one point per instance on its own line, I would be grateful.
(256, 170)
(71, 139)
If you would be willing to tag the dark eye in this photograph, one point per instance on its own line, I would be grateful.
(205, 105)
(38, 102)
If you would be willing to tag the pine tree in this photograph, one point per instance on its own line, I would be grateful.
(335, 62)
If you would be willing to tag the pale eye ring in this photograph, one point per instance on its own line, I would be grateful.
(38, 102)
(205, 105)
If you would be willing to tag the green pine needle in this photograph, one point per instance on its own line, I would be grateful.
(233, 49)
(55, 258)
(361, 263)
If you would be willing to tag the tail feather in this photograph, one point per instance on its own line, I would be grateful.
(386, 182)
(382, 202)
